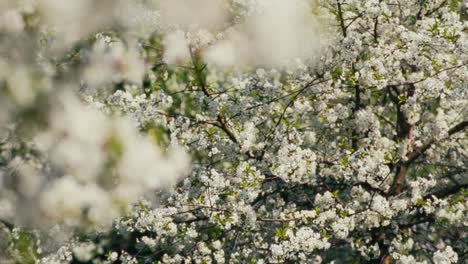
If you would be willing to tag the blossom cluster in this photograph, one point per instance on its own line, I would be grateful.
(316, 131)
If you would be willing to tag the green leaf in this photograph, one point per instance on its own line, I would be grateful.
(421, 202)
(345, 161)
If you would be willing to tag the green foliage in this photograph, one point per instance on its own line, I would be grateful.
(281, 233)
(24, 249)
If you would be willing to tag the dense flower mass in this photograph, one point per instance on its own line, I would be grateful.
(233, 131)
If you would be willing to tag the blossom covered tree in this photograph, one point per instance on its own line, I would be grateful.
(240, 131)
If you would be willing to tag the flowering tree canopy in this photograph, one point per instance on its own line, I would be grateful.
(233, 131)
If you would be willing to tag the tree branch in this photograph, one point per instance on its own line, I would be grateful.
(7, 224)
(419, 151)
(446, 192)
(341, 20)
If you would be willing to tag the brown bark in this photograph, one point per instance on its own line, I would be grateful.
(399, 180)
(386, 260)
